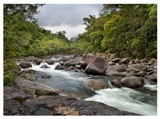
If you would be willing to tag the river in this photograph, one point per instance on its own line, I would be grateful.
(74, 84)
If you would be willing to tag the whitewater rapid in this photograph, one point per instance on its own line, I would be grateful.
(127, 99)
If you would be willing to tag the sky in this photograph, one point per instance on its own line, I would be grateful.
(66, 17)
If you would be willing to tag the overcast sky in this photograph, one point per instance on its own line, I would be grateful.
(66, 17)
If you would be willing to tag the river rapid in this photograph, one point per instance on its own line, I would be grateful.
(74, 84)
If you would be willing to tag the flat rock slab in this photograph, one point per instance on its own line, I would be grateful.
(59, 105)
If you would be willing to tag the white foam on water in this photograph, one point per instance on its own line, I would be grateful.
(151, 87)
(126, 99)
(58, 73)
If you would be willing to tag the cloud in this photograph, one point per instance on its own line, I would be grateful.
(66, 17)
(72, 14)
(71, 31)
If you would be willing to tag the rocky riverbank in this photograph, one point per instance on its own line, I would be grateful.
(30, 97)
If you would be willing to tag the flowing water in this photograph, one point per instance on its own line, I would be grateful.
(74, 84)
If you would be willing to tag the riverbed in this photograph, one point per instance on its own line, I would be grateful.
(73, 84)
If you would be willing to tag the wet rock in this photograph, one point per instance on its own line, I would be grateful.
(64, 58)
(97, 66)
(116, 83)
(31, 71)
(70, 63)
(45, 66)
(36, 88)
(60, 67)
(28, 76)
(132, 82)
(96, 85)
(37, 61)
(60, 105)
(49, 61)
(25, 65)
(46, 76)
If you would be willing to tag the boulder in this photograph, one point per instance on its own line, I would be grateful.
(60, 67)
(31, 71)
(152, 77)
(36, 88)
(96, 85)
(115, 60)
(14, 93)
(97, 65)
(115, 73)
(86, 59)
(28, 76)
(25, 65)
(132, 82)
(119, 68)
(144, 60)
(37, 61)
(138, 67)
(45, 66)
(49, 61)
(70, 63)
(116, 70)
(116, 83)
(13, 107)
(125, 60)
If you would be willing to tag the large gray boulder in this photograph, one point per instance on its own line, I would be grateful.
(86, 59)
(97, 65)
(36, 88)
(132, 82)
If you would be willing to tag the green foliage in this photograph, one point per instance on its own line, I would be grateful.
(10, 72)
(124, 29)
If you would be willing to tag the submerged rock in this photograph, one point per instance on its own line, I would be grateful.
(96, 85)
(46, 76)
